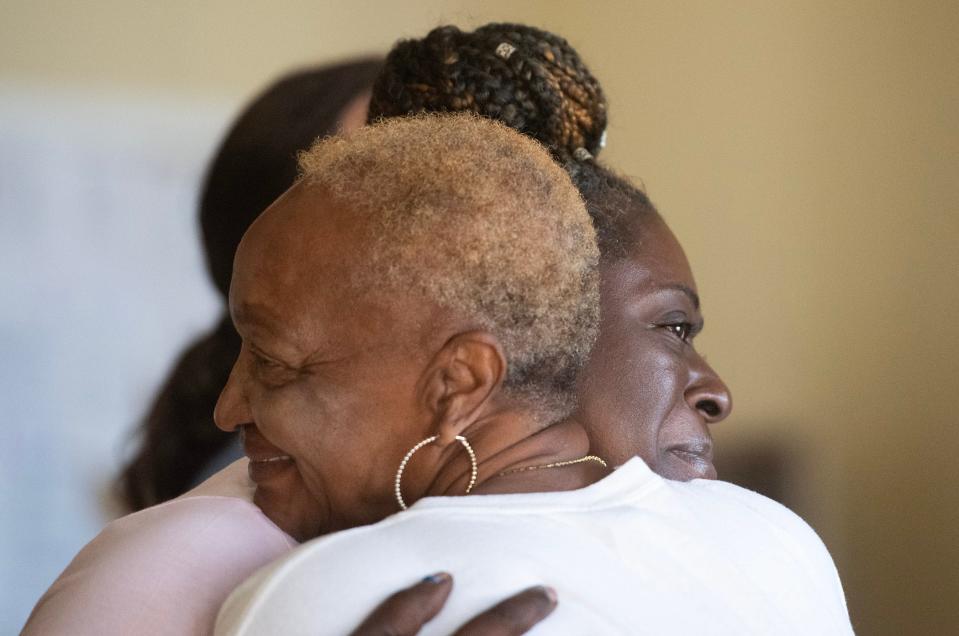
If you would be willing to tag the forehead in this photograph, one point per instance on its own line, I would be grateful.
(294, 279)
(655, 264)
(657, 254)
(291, 265)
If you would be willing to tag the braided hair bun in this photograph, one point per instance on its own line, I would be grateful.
(531, 80)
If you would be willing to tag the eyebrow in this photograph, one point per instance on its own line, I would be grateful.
(261, 320)
(253, 313)
(685, 289)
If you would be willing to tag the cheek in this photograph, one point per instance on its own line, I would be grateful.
(612, 395)
(313, 426)
(334, 429)
(637, 373)
(627, 392)
(323, 426)
(665, 376)
(287, 416)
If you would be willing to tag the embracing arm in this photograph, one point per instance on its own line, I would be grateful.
(405, 612)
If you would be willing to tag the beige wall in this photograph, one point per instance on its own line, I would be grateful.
(804, 152)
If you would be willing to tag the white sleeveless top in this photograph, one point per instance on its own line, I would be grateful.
(166, 569)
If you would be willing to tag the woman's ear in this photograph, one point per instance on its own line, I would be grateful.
(460, 380)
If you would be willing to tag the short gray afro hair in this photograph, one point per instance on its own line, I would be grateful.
(478, 219)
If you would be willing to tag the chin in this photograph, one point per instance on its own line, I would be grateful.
(680, 465)
(293, 511)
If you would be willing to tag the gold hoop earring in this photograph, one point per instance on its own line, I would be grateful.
(428, 440)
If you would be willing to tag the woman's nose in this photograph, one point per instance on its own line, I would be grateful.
(708, 394)
(231, 410)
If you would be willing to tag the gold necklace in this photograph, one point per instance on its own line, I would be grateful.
(569, 462)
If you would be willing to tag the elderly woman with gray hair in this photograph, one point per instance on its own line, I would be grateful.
(405, 375)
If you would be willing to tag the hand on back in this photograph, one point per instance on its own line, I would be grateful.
(408, 610)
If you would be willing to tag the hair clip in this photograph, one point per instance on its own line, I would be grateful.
(581, 154)
(602, 139)
(505, 49)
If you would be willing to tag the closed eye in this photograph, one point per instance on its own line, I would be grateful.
(270, 371)
(263, 361)
(266, 363)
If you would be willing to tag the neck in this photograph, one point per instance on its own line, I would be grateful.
(511, 440)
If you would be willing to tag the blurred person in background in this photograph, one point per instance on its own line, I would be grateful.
(178, 444)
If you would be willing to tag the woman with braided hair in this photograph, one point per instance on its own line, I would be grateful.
(646, 391)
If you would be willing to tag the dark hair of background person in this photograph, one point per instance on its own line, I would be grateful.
(256, 163)
(532, 81)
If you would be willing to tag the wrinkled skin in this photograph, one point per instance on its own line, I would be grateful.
(646, 391)
(332, 387)
(320, 375)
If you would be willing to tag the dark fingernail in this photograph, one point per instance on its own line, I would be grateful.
(548, 592)
(439, 577)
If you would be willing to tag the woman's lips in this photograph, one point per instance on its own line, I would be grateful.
(263, 468)
(266, 460)
(699, 458)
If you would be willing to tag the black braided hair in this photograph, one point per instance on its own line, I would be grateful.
(534, 82)
(529, 79)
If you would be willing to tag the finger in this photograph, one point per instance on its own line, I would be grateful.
(406, 611)
(516, 615)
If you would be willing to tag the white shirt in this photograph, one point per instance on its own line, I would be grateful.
(631, 554)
